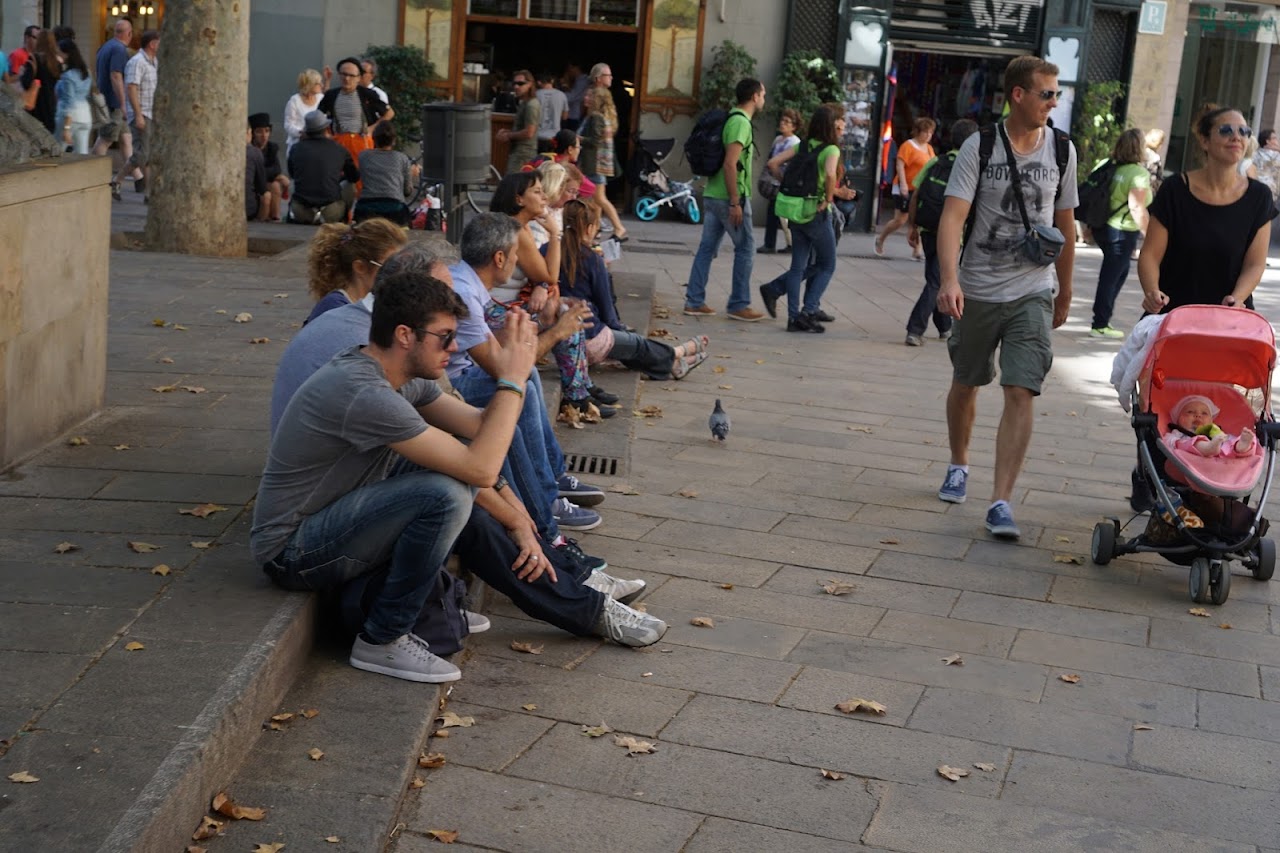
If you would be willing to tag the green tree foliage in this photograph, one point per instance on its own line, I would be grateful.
(807, 79)
(730, 62)
(403, 72)
(1098, 125)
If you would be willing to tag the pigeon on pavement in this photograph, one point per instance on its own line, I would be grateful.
(719, 423)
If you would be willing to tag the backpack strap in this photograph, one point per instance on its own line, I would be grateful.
(1062, 151)
(986, 144)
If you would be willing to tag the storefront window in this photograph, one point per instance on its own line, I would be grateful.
(620, 13)
(429, 24)
(500, 8)
(861, 94)
(554, 10)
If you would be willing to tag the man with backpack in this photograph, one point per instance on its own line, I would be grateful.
(923, 216)
(1000, 291)
(726, 202)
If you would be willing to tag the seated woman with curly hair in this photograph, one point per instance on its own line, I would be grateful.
(345, 260)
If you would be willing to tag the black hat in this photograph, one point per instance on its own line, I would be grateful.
(258, 120)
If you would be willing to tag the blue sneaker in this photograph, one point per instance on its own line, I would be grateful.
(953, 488)
(570, 516)
(1000, 522)
(579, 492)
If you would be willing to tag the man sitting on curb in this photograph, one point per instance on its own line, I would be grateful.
(348, 326)
(324, 175)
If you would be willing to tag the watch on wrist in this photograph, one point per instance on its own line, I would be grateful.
(501, 484)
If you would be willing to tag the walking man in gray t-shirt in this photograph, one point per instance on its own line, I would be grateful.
(997, 295)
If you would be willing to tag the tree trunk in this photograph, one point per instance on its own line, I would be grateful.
(201, 108)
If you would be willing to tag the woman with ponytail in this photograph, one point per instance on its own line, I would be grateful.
(345, 260)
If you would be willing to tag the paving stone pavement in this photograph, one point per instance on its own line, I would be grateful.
(830, 473)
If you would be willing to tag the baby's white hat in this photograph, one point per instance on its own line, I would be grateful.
(1193, 398)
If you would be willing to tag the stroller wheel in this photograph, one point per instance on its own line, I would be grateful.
(1103, 547)
(647, 208)
(1266, 565)
(1219, 581)
(1198, 580)
(693, 212)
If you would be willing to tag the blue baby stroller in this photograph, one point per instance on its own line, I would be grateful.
(657, 190)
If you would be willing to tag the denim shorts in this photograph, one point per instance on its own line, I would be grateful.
(1019, 328)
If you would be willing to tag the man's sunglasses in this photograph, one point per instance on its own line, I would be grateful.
(1048, 94)
(446, 338)
(1226, 131)
(521, 82)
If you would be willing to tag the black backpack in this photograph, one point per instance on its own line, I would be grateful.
(932, 194)
(1094, 208)
(800, 180)
(704, 149)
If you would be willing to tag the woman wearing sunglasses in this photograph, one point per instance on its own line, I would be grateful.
(345, 259)
(1209, 228)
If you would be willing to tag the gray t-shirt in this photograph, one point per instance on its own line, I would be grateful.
(993, 268)
(332, 440)
(553, 103)
(529, 113)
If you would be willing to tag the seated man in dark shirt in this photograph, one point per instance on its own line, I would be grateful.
(277, 181)
(324, 175)
(255, 180)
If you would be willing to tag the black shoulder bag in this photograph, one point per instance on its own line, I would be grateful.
(1040, 244)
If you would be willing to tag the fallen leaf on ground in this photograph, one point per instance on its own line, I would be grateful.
(165, 360)
(1068, 558)
(687, 493)
(831, 774)
(444, 836)
(191, 848)
(259, 340)
(955, 774)
(282, 296)
(225, 806)
(1066, 539)
(1070, 678)
(953, 660)
(703, 622)
(159, 323)
(440, 733)
(162, 570)
(661, 312)
(890, 542)
(242, 317)
(865, 706)
(208, 829)
(648, 412)
(310, 713)
(529, 707)
(78, 441)
(201, 545)
(164, 389)
(143, 547)
(431, 760)
(865, 429)
(203, 510)
(1142, 727)
(725, 387)
(22, 777)
(121, 447)
(448, 720)
(282, 718)
(645, 674)
(133, 646)
(221, 311)
(634, 746)
(314, 754)
(726, 586)
(1226, 626)
(985, 766)
(759, 361)
(272, 847)
(65, 547)
(596, 731)
(194, 389)
(527, 648)
(417, 782)
(178, 327)
(928, 441)
(1199, 611)
(624, 489)
(719, 368)
(332, 839)
(832, 586)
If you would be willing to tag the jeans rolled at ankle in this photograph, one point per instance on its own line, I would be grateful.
(817, 235)
(715, 224)
(637, 352)
(408, 521)
(535, 458)
(927, 305)
(487, 552)
(1117, 257)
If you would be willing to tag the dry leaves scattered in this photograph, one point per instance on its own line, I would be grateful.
(634, 746)
(194, 389)
(725, 387)
(890, 542)
(955, 774)
(440, 733)
(719, 368)
(759, 361)
(259, 340)
(164, 360)
(448, 720)
(527, 648)
(1070, 678)
(133, 646)
(143, 547)
(1068, 558)
(78, 441)
(953, 660)
(242, 317)
(597, 731)
(662, 334)
(444, 836)
(1226, 626)
(725, 586)
(65, 547)
(687, 493)
(332, 839)
(417, 782)
(832, 775)
(529, 707)
(431, 760)
(268, 847)
(985, 767)
(1066, 539)
(162, 570)
(647, 412)
(122, 447)
(864, 706)
(203, 510)
(1199, 611)
(309, 713)
(225, 806)
(164, 389)
(207, 829)
(315, 754)
(201, 546)
(624, 489)
(865, 429)
(22, 777)
(831, 586)
(1142, 727)
(646, 674)
(661, 312)
(703, 622)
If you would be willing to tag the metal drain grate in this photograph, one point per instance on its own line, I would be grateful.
(606, 466)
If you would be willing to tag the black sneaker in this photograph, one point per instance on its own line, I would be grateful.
(602, 396)
(804, 323)
(581, 562)
(765, 250)
(822, 316)
(140, 185)
(770, 300)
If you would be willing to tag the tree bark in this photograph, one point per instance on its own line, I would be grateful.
(201, 108)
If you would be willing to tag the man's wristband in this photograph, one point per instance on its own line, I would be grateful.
(508, 385)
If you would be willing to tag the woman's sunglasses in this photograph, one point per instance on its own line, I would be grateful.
(1226, 131)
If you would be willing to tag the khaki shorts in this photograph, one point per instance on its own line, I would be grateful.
(114, 129)
(142, 142)
(1020, 329)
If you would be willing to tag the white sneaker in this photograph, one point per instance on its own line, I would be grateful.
(408, 657)
(615, 588)
(628, 627)
(476, 624)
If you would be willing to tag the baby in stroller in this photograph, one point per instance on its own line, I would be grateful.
(1191, 427)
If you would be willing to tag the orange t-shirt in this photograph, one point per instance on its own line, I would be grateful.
(913, 159)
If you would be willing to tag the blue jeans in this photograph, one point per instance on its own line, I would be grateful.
(814, 236)
(927, 305)
(715, 224)
(409, 521)
(1117, 256)
(637, 352)
(534, 459)
(772, 225)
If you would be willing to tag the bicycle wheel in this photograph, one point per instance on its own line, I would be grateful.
(647, 208)
(693, 212)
